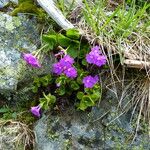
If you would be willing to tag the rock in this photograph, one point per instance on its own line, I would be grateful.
(3, 3)
(14, 1)
(17, 35)
(76, 130)
(66, 131)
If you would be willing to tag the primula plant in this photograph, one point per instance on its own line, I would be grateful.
(65, 66)
(75, 76)
(31, 60)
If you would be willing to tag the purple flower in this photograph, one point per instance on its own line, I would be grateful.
(65, 66)
(96, 49)
(68, 59)
(96, 57)
(57, 68)
(101, 60)
(36, 110)
(31, 60)
(71, 72)
(59, 54)
(90, 81)
(90, 58)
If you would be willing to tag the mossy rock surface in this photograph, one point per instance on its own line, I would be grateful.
(72, 129)
(17, 35)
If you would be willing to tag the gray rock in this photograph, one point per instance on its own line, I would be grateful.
(3, 3)
(67, 131)
(17, 35)
(14, 1)
(76, 130)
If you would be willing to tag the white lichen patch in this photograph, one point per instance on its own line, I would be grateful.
(16, 22)
(16, 34)
(9, 26)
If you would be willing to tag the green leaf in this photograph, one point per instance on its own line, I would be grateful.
(42, 100)
(50, 39)
(80, 95)
(53, 99)
(81, 75)
(84, 49)
(86, 102)
(73, 50)
(95, 96)
(79, 80)
(82, 106)
(47, 97)
(4, 110)
(14, 115)
(36, 81)
(68, 91)
(61, 90)
(73, 34)
(47, 101)
(84, 62)
(82, 54)
(87, 90)
(62, 79)
(45, 80)
(45, 107)
(74, 85)
(63, 40)
(34, 89)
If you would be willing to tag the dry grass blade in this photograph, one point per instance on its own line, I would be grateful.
(16, 133)
(140, 101)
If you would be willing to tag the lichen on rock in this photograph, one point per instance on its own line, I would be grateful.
(89, 130)
(18, 34)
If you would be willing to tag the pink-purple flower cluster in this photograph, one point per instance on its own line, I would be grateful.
(90, 81)
(65, 65)
(31, 60)
(36, 110)
(95, 57)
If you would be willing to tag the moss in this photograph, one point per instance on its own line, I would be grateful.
(67, 144)
(26, 118)
(53, 135)
(28, 6)
(122, 139)
(21, 1)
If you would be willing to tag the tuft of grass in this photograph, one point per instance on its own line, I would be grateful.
(124, 31)
(120, 30)
(66, 7)
(135, 97)
(16, 128)
(17, 134)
